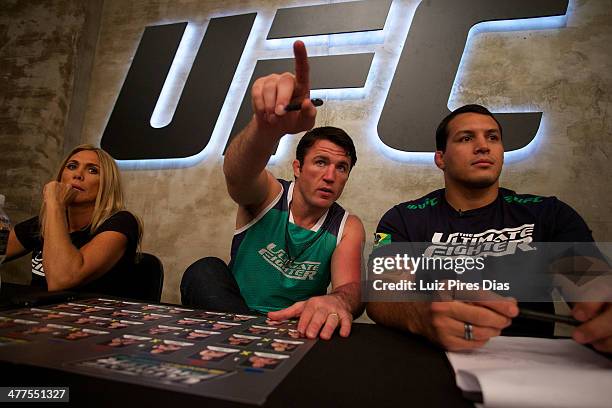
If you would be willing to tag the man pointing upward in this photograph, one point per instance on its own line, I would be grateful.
(291, 238)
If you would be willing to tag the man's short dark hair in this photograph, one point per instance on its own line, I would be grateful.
(442, 131)
(334, 135)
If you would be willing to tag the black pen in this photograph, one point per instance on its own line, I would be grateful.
(298, 106)
(548, 317)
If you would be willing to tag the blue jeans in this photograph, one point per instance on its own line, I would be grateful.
(209, 284)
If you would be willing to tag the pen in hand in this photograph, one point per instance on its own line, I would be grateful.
(548, 317)
(298, 106)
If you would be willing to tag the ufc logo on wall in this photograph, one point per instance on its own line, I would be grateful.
(417, 95)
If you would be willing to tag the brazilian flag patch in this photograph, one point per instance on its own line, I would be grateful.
(381, 239)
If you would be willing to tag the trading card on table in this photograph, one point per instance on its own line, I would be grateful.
(6, 322)
(79, 334)
(126, 304)
(282, 345)
(164, 309)
(59, 315)
(161, 329)
(220, 316)
(154, 308)
(124, 341)
(122, 313)
(101, 302)
(83, 320)
(196, 335)
(214, 315)
(51, 329)
(18, 326)
(97, 309)
(105, 322)
(158, 346)
(80, 308)
(114, 324)
(190, 321)
(221, 326)
(43, 314)
(214, 353)
(145, 317)
(117, 324)
(178, 310)
(148, 317)
(264, 360)
(270, 322)
(152, 369)
(242, 318)
(206, 324)
(240, 340)
(70, 307)
(287, 333)
(260, 330)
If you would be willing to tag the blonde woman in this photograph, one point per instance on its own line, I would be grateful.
(83, 238)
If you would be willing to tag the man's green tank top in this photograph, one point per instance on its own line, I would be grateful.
(277, 263)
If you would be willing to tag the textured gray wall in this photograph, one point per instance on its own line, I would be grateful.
(38, 56)
(187, 214)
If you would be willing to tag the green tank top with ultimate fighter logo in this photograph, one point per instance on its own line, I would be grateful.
(277, 263)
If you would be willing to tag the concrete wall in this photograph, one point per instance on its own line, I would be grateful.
(38, 60)
(187, 213)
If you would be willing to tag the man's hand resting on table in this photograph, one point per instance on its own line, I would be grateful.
(319, 316)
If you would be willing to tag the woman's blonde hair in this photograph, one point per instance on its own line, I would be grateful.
(109, 200)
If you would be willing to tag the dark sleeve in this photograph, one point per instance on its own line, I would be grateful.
(568, 225)
(393, 225)
(125, 223)
(28, 233)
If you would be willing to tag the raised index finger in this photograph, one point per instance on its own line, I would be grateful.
(302, 70)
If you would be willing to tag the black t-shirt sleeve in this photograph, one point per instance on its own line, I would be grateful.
(393, 224)
(125, 223)
(28, 233)
(568, 225)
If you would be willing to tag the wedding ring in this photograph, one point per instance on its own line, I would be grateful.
(468, 331)
(334, 314)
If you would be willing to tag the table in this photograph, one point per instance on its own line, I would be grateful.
(13, 295)
(375, 367)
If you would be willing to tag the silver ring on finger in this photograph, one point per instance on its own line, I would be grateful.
(468, 331)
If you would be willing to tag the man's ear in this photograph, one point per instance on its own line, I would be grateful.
(296, 168)
(439, 159)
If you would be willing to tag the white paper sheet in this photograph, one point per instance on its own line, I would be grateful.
(533, 372)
